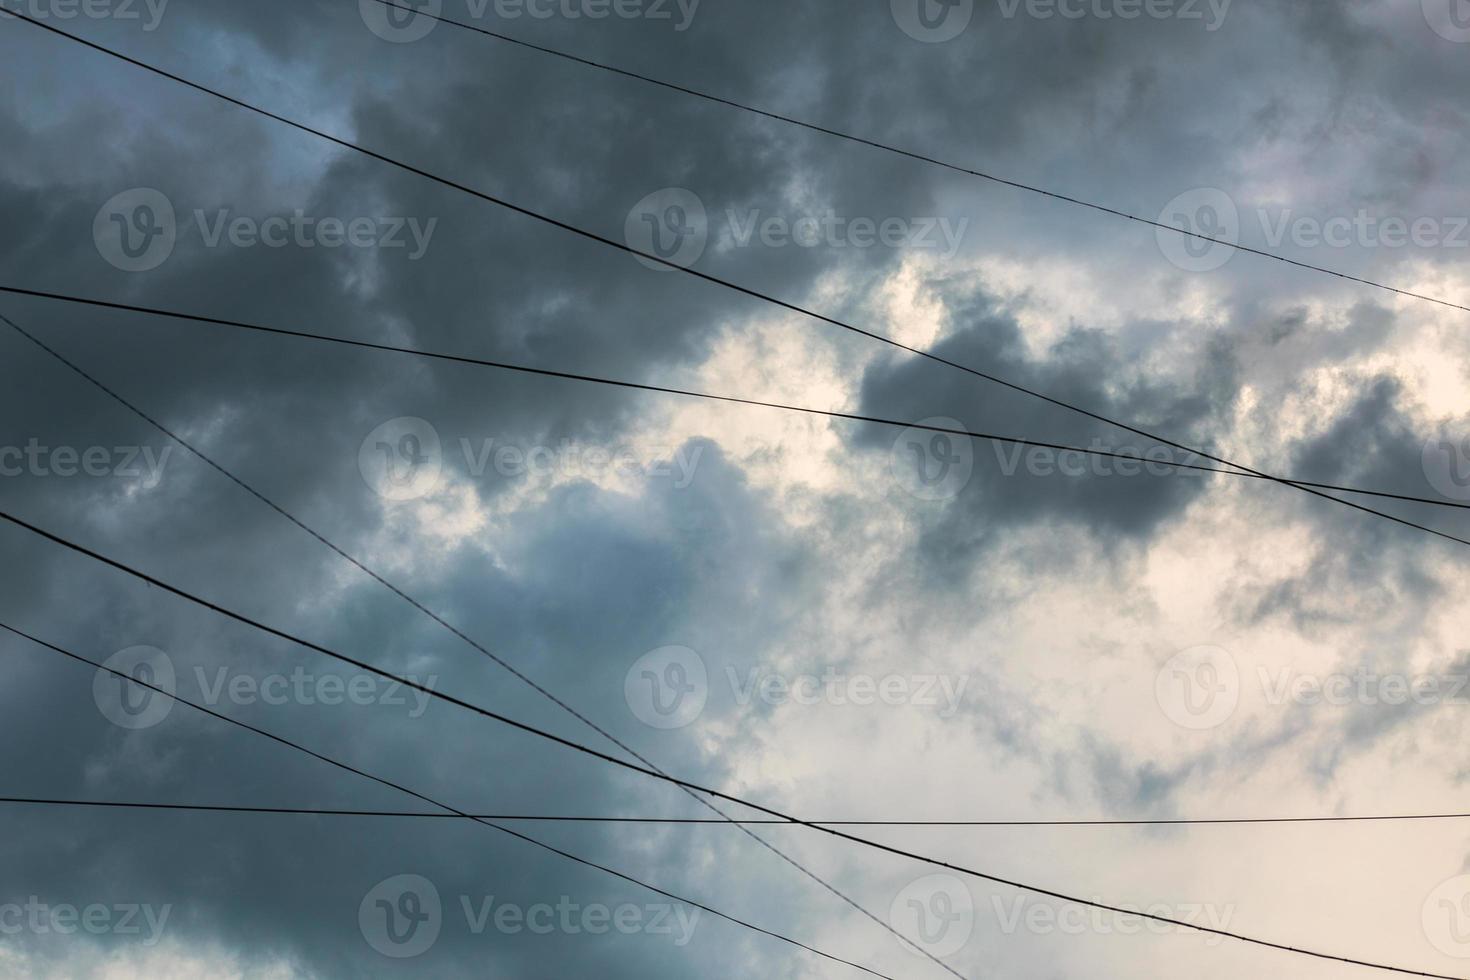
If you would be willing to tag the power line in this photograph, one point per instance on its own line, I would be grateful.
(749, 292)
(501, 662)
(709, 821)
(505, 665)
(696, 787)
(744, 290)
(638, 386)
(912, 155)
(450, 811)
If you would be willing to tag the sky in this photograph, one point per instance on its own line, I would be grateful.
(836, 619)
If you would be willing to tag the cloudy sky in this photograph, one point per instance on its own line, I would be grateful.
(838, 620)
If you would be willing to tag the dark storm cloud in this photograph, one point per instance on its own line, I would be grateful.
(562, 623)
(1373, 443)
(1013, 486)
(589, 580)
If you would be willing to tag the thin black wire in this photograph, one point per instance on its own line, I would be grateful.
(452, 811)
(783, 304)
(594, 379)
(708, 821)
(744, 290)
(696, 787)
(544, 692)
(742, 825)
(912, 155)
